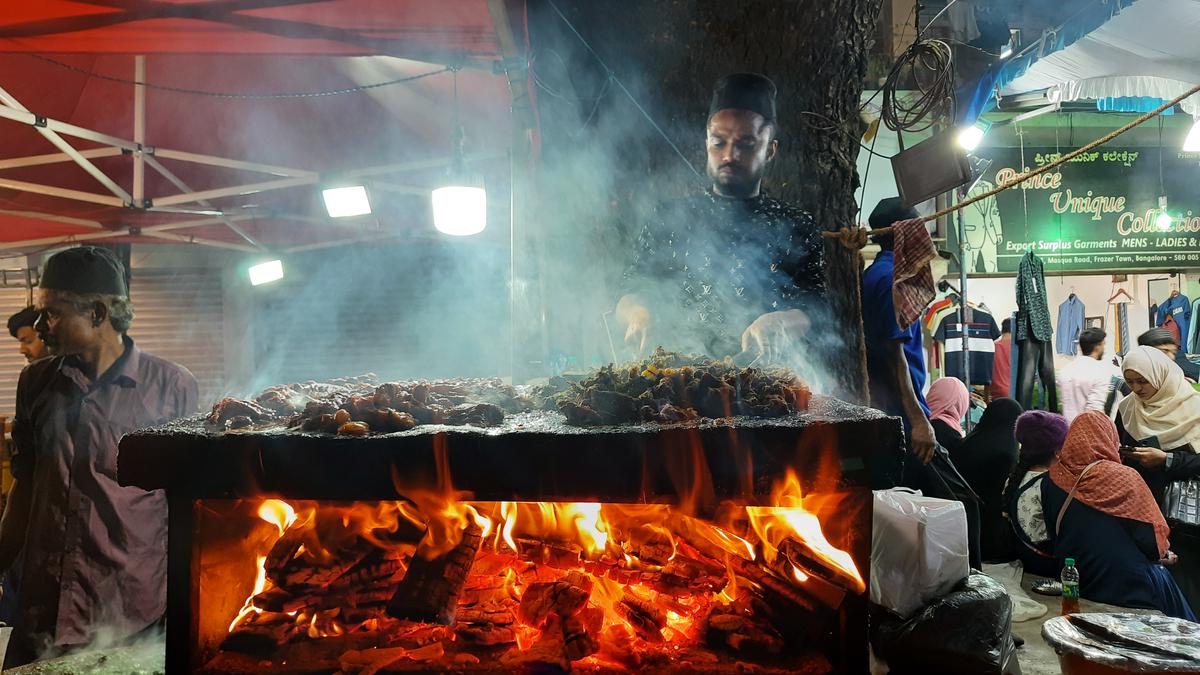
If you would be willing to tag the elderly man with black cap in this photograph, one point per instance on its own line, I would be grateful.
(732, 269)
(94, 552)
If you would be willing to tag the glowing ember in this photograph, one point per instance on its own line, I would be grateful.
(608, 584)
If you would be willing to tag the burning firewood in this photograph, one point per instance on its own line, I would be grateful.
(260, 640)
(543, 599)
(724, 627)
(578, 639)
(803, 556)
(429, 590)
(371, 661)
(559, 555)
(618, 643)
(548, 654)
(645, 619)
(776, 586)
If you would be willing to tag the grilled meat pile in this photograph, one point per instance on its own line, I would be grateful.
(671, 387)
(359, 406)
(667, 387)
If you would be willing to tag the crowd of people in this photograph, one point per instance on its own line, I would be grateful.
(1089, 483)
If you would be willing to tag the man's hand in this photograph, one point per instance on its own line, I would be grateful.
(1169, 559)
(773, 334)
(923, 441)
(1151, 458)
(635, 316)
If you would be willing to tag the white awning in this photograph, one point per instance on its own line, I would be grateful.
(1151, 48)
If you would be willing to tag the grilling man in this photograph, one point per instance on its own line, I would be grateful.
(94, 552)
(732, 269)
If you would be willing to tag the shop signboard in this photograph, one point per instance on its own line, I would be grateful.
(1096, 213)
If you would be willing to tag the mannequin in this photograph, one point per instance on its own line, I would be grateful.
(1033, 335)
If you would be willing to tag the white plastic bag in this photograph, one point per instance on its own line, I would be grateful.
(918, 549)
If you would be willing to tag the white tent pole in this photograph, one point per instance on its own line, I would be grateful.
(234, 191)
(62, 239)
(188, 239)
(110, 234)
(61, 192)
(38, 215)
(178, 182)
(184, 224)
(26, 117)
(61, 143)
(139, 130)
(210, 160)
(56, 157)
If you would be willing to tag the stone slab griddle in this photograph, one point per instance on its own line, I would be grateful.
(534, 456)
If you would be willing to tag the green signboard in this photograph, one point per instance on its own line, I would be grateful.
(1096, 213)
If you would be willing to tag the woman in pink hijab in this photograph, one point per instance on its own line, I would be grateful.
(948, 403)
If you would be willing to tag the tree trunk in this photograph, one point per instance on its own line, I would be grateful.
(668, 53)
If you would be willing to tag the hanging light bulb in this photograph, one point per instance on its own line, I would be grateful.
(460, 203)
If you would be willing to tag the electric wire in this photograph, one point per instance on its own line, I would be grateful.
(236, 95)
(929, 64)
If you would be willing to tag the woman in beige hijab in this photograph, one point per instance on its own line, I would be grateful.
(1159, 427)
(1163, 414)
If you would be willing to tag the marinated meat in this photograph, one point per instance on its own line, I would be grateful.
(672, 387)
(228, 408)
(478, 414)
(283, 400)
(361, 406)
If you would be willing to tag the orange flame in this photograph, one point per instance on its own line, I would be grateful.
(789, 518)
(260, 583)
(278, 513)
(581, 523)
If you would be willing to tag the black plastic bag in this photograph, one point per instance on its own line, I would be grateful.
(969, 630)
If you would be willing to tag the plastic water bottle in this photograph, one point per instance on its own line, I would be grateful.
(1070, 588)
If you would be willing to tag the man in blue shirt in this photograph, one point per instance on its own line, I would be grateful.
(895, 359)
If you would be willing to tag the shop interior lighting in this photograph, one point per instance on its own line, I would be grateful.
(1164, 219)
(970, 137)
(460, 203)
(1192, 142)
(265, 273)
(344, 202)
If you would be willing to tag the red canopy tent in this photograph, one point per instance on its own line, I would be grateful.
(246, 107)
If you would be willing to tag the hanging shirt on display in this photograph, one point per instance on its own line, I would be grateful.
(1194, 333)
(982, 332)
(1179, 308)
(1070, 324)
(1033, 319)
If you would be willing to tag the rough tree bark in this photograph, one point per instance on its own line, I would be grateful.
(669, 52)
